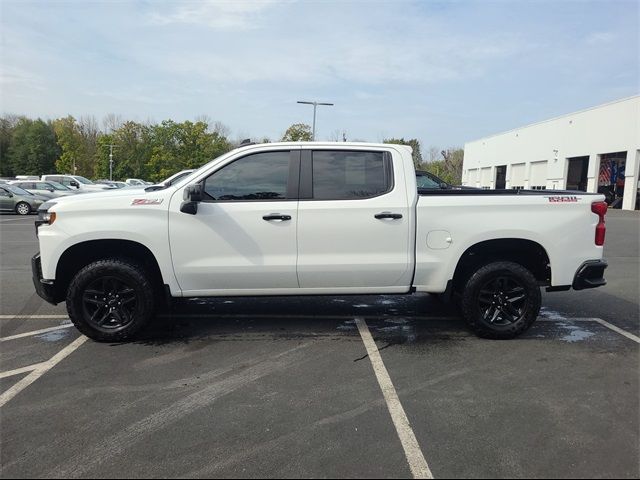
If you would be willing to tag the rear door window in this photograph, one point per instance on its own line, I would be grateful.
(350, 175)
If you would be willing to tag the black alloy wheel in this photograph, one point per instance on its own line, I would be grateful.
(501, 300)
(109, 303)
(112, 299)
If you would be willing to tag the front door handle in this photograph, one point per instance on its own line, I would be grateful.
(393, 216)
(276, 216)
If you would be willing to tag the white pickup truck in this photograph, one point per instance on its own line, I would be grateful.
(314, 219)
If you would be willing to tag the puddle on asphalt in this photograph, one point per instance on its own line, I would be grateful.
(574, 333)
(54, 336)
(568, 331)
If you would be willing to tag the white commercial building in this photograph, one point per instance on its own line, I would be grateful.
(594, 150)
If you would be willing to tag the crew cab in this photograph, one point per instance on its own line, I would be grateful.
(315, 219)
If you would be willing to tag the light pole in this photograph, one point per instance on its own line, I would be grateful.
(315, 106)
(111, 147)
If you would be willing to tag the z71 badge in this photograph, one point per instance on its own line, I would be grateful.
(147, 201)
(563, 199)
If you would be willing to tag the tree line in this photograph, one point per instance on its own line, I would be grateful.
(152, 151)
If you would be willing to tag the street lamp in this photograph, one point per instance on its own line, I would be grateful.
(315, 106)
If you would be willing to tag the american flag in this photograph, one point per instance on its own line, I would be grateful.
(605, 173)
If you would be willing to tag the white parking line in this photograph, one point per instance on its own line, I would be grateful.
(40, 370)
(602, 322)
(30, 317)
(18, 371)
(415, 458)
(34, 332)
(26, 220)
(630, 336)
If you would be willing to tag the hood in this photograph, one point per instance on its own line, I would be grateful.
(105, 195)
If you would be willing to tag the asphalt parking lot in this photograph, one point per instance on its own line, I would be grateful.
(289, 387)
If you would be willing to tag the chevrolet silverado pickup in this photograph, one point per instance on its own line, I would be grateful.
(314, 219)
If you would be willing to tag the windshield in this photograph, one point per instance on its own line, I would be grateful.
(86, 181)
(17, 190)
(58, 186)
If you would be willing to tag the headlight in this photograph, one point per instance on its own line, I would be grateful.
(46, 206)
(45, 217)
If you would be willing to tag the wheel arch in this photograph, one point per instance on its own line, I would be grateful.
(528, 253)
(81, 254)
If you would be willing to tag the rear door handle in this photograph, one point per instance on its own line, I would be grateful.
(276, 216)
(393, 216)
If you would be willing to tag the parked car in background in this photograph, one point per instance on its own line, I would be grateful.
(111, 183)
(428, 180)
(172, 180)
(76, 182)
(136, 182)
(44, 189)
(176, 177)
(15, 199)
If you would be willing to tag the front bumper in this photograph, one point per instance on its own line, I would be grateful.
(44, 288)
(590, 275)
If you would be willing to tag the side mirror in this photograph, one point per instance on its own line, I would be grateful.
(191, 195)
(50, 189)
(73, 183)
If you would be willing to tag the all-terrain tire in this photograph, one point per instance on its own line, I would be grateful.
(507, 288)
(110, 300)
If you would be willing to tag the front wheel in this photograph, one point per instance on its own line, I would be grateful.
(501, 300)
(23, 208)
(110, 300)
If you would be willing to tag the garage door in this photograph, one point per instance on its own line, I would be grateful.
(517, 174)
(472, 177)
(485, 177)
(538, 175)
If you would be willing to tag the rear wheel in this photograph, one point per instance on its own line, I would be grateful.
(110, 300)
(501, 300)
(23, 208)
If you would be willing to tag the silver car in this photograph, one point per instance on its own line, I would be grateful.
(15, 199)
(48, 189)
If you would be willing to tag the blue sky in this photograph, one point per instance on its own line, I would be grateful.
(443, 72)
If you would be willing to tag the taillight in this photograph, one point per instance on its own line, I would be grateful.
(600, 209)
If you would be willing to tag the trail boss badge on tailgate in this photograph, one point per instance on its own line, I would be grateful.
(562, 199)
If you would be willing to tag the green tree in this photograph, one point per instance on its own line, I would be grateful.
(298, 132)
(32, 149)
(178, 146)
(7, 126)
(70, 143)
(449, 168)
(414, 144)
(131, 153)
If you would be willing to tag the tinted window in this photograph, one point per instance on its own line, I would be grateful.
(350, 175)
(425, 181)
(262, 176)
(17, 190)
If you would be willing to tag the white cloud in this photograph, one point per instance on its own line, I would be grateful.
(600, 38)
(219, 15)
